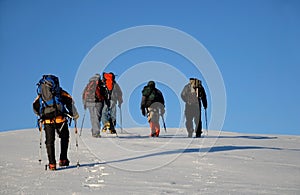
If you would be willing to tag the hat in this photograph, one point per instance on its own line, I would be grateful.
(151, 84)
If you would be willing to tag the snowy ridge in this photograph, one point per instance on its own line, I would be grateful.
(133, 163)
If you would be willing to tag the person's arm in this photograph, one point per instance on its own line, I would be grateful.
(70, 104)
(119, 95)
(184, 93)
(203, 98)
(36, 105)
(143, 107)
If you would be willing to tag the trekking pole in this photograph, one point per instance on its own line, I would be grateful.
(76, 135)
(206, 122)
(82, 123)
(121, 126)
(41, 139)
(163, 120)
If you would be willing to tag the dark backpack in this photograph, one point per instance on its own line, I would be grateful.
(50, 101)
(94, 91)
(152, 95)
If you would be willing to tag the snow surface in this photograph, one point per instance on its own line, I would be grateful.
(133, 163)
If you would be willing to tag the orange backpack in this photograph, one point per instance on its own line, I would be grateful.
(109, 79)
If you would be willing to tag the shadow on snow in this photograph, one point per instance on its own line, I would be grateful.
(179, 151)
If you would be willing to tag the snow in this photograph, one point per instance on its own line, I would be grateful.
(134, 163)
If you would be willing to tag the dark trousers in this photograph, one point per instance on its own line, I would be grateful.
(193, 116)
(63, 132)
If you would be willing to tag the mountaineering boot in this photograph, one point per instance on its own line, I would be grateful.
(63, 163)
(96, 135)
(52, 167)
(113, 131)
(190, 132)
(198, 134)
(106, 127)
(157, 133)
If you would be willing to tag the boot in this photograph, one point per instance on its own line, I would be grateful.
(63, 163)
(51, 154)
(157, 133)
(198, 134)
(190, 133)
(52, 167)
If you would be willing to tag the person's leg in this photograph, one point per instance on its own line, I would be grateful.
(189, 120)
(95, 116)
(154, 121)
(64, 143)
(50, 138)
(104, 117)
(198, 122)
(113, 114)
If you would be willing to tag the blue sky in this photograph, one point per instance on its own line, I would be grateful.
(254, 43)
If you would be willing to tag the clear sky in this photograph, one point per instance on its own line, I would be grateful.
(254, 43)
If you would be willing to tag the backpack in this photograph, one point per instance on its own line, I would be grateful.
(94, 91)
(152, 95)
(50, 100)
(109, 80)
(194, 91)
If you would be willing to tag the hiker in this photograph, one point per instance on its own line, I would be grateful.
(54, 106)
(152, 104)
(115, 98)
(192, 94)
(94, 97)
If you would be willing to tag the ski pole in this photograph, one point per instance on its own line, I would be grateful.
(163, 120)
(76, 135)
(41, 139)
(82, 123)
(121, 126)
(206, 122)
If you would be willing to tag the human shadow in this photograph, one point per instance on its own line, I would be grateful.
(257, 137)
(178, 151)
(179, 136)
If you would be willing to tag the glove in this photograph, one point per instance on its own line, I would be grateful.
(75, 117)
(162, 111)
(143, 112)
(119, 104)
(120, 101)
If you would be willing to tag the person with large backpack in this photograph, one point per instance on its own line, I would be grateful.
(193, 94)
(94, 97)
(54, 106)
(115, 98)
(153, 104)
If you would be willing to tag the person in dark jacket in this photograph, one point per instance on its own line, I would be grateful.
(57, 124)
(193, 94)
(153, 104)
(109, 114)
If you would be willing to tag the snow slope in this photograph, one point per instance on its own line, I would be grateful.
(133, 163)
